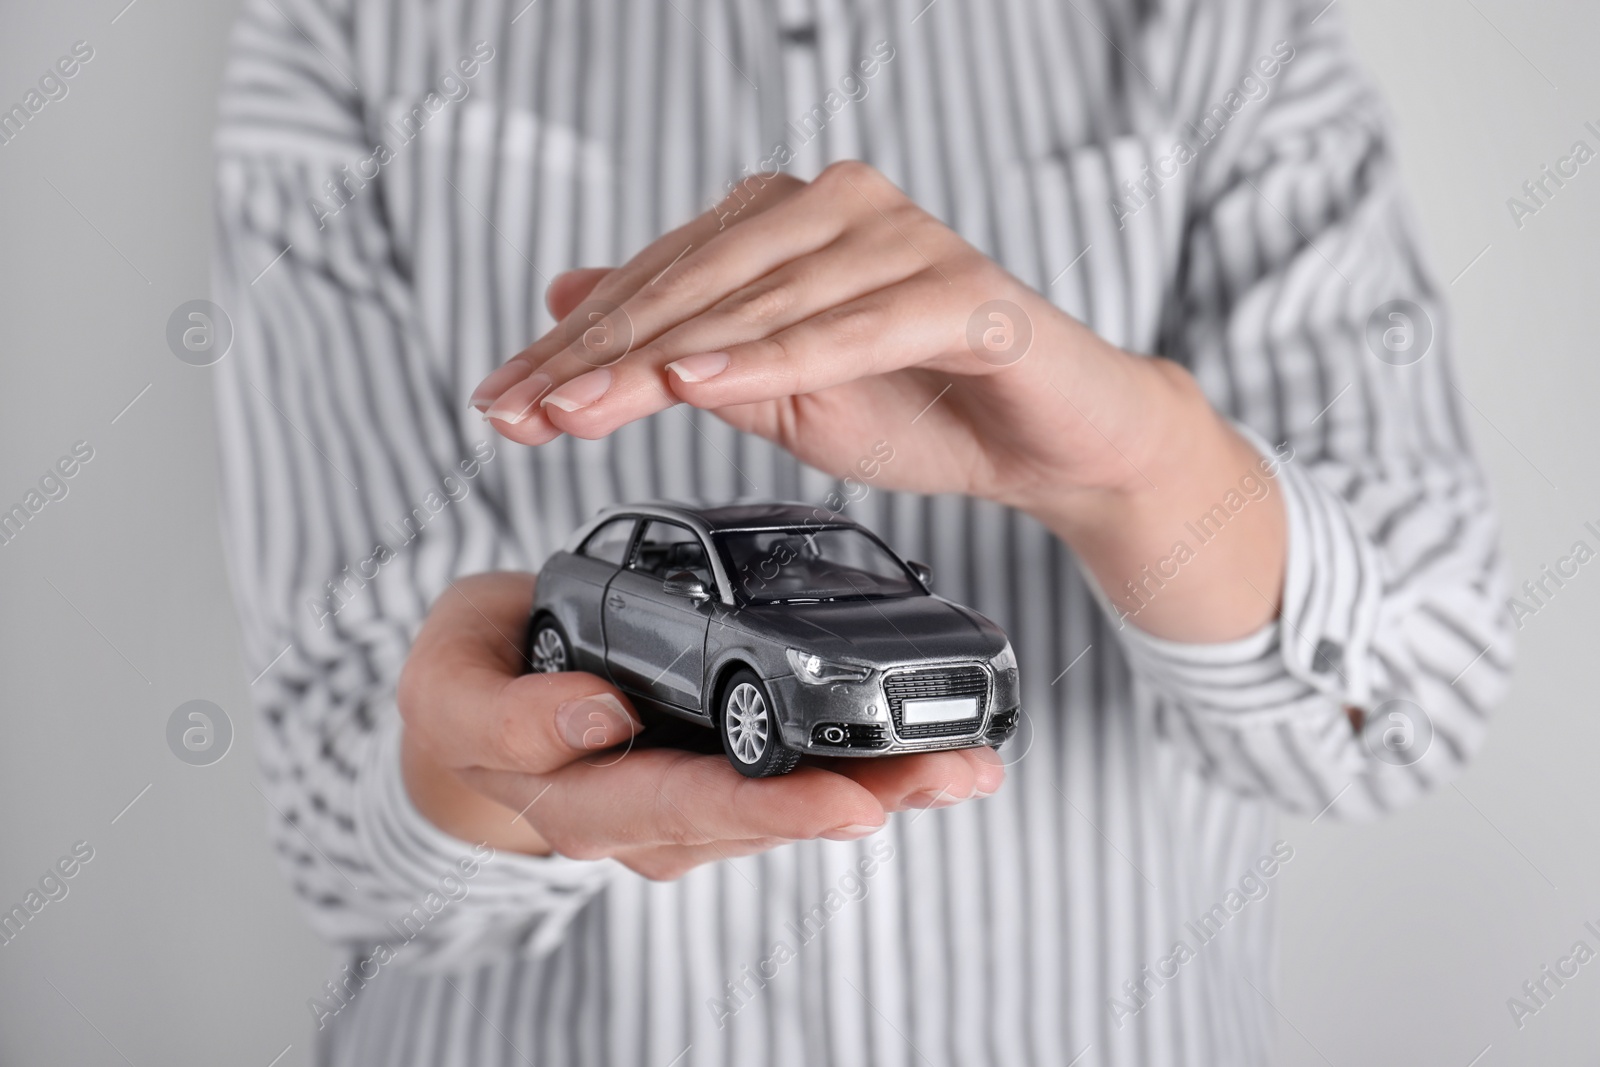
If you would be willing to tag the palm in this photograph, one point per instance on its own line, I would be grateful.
(951, 433)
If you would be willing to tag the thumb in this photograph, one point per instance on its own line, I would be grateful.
(571, 288)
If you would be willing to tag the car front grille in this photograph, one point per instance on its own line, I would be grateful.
(936, 682)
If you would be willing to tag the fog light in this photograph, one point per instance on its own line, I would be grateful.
(834, 735)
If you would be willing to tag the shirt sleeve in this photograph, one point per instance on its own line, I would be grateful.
(1302, 306)
(353, 491)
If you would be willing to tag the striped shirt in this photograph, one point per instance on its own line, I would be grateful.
(1206, 180)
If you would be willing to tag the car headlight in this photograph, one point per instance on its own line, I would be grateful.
(814, 670)
(1005, 659)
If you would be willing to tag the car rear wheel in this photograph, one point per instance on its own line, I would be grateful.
(748, 724)
(548, 650)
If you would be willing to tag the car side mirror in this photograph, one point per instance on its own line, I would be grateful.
(924, 575)
(687, 584)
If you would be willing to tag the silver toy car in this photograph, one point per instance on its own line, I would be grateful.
(786, 628)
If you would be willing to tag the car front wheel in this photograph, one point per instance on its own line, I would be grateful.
(748, 724)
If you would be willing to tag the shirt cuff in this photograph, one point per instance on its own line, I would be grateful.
(490, 895)
(1316, 652)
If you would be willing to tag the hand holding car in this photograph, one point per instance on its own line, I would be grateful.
(788, 629)
(484, 741)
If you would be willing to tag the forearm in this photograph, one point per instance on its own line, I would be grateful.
(1197, 573)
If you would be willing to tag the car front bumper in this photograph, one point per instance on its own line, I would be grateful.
(867, 718)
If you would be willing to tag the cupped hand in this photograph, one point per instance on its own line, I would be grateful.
(545, 762)
(828, 316)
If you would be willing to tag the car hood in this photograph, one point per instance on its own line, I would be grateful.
(887, 631)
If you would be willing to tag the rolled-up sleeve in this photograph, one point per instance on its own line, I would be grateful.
(352, 493)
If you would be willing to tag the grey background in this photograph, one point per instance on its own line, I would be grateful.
(179, 943)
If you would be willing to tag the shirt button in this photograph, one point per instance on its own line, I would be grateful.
(1329, 656)
(802, 35)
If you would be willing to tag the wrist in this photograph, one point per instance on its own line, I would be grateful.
(1158, 432)
(1191, 546)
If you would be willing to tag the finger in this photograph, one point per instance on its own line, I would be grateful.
(595, 807)
(723, 262)
(668, 863)
(794, 225)
(607, 294)
(928, 780)
(516, 414)
(749, 201)
(571, 288)
(847, 269)
(463, 692)
(899, 326)
(531, 725)
(596, 402)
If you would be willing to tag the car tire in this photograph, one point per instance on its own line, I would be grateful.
(747, 722)
(549, 651)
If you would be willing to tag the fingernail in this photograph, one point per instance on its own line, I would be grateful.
(933, 798)
(853, 832)
(991, 771)
(581, 391)
(519, 402)
(499, 381)
(699, 367)
(594, 722)
(987, 754)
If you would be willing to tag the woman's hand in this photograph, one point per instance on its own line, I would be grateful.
(833, 315)
(830, 315)
(544, 762)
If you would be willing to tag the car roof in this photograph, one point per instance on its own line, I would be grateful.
(737, 516)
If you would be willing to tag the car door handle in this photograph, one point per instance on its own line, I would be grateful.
(615, 601)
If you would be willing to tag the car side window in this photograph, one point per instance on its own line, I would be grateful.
(610, 542)
(667, 548)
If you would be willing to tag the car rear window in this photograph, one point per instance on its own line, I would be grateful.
(667, 549)
(610, 542)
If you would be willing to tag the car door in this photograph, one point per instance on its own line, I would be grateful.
(655, 640)
(575, 589)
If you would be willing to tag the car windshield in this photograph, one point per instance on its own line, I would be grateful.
(808, 564)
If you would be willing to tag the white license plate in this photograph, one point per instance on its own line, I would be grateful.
(943, 709)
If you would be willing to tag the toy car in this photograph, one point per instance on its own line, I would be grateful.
(786, 628)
